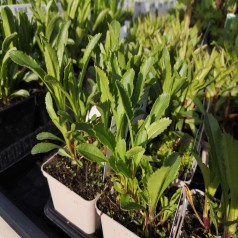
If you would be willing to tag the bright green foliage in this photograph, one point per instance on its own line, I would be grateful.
(16, 32)
(222, 170)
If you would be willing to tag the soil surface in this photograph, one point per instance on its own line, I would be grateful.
(85, 181)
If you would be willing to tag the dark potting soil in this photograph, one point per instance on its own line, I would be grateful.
(85, 181)
(133, 220)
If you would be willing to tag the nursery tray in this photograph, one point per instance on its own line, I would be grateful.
(65, 225)
(20, 149)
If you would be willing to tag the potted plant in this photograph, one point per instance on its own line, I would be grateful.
(219, 217)
(134, 189)
(69, 96)
(17, 97)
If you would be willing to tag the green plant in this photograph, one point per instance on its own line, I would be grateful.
(138, 186)
(67, 91)
(221, 170)
(17, 32)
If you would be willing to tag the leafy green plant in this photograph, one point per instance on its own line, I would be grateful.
(138, 186)
(221, 170)
(67, 91)
(17, 32)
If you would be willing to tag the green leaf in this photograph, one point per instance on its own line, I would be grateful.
(162, 178)
(51, 111)
(214, 135)
(127, 203)
(103, 82)
(20, 93)
(8, 23)
(48, 136)
(51, 27)
(43, 147)
(24, 60)
(128, 81)
(125, 100)
(230, 151)
(168, 80)
(157, 127)
(159, 107)
(51, 60)
(114, 29)
(140, 81)
(105, 136)
(120, 150)
(86, 57)
(8, 40)
(91, 152)
(63, 153)
(62, 39)
(135, 151)
(141, 137)
(100, 18)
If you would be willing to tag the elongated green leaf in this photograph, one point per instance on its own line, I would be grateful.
(48, 136)
(63, 153)
(51, 27)
(43, 147)
(86, 57)
(114, 30)
(128, 203)
(135, 151)
(140, 81)
(7, 41)
(230, 150)
(73, 8)
(162, 178)
(105, 136)
(120, 150)
(20, 93)
(8, 23)
(24, 60)
(159, 107)
(51, 111)
(100, 18)
(128, 81)
(157, 127)
(62, 40)
(214, 135)
(168, 80)
(125, 99)
(91, 152)
(141, 137)
(104, 85)
(51, 60)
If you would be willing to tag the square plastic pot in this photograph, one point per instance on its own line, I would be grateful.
(74, 208)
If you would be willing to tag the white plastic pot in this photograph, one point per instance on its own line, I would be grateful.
(112, 228)
(74, 208)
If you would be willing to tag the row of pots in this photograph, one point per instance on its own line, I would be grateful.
(89, 219)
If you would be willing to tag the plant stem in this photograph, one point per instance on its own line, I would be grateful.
(188, 14)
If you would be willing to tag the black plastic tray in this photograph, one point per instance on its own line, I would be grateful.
(22, 148)
(65, 225)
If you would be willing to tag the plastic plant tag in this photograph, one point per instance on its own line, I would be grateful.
(140, 8)
(231, 21)
(123, 32)
(93, 111)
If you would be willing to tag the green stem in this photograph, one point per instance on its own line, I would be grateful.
(231, 226)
